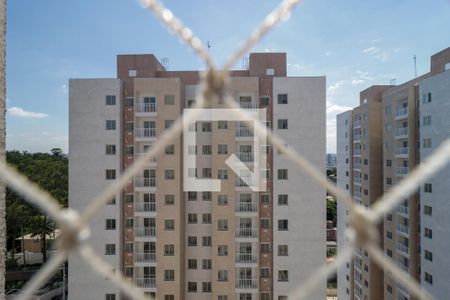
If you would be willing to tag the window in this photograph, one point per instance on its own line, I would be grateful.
(206, 218)
(169, 297)
(206, 196)
(192, 127)
(169, 224)
(129, 198)
(110, 297)
(283, 199)
(222, 275)
(110, 174)
(192, 149)
(222, 124)
(129, 101)
(427, 143)
(222, 225)
(169, 199)
(389, 217)
(282, 98)
(283, 275)
(428, 188)
(192, 286)
(265, 273)
(129, 126)
(222, 297)
(110, 149)
(192, 218)
(222, 149)
(192, 241)
(428, 233)
(190, 102)
(132, 73)
(428, 278)
(168, 123)
(112, 201)
(110, 124)
(110, 224)
(282, 297)
(206, 127)
(169, 174)
(428, 255)
(207, 172)
(389, 252)
(206, 241)
(282, 124)
(264, 100)
(169, 275)
(206, 287)
(110, 249)
(270, 71)
(282, 225)
(192, 196)
(282, 174)
(110, 100)
(264, 198)
(389, 181)
(265, 248)
(366, 162)
(222, 250)
(222, 174)
(192, 264)
(129, 223)
(129, 246)
(129, 271)
(389, 234)
(426, 121)
(265, 296)
(388, 163)
(426, 98)
(427, 210)
(169, 99)
(170, 149)
(206, 264)
(282, 250)
(222, 200)
(206, 150)
(169, 250)
(265, 223)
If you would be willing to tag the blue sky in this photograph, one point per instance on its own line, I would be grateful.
(354, 43)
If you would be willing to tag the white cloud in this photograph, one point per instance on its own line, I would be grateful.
(382, 56)
(328, 53)
(21, 113)
(333, 110)
(371, 50)
(64, 88)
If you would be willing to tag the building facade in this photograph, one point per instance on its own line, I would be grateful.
(176, 243)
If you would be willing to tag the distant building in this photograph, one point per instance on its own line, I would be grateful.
(32, 243)
(331, 161)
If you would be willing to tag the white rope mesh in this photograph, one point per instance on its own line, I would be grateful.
(75, 235)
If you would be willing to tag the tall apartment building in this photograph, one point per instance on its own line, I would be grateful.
(408, 135)
(174, 243)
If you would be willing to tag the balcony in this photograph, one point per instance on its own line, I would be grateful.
(357, 124)
(402, 266)
(144, 182)
(357, 138)
(402, 249)
(145, 107)
(140, 155)
(402, 229)
(401, 113)
(244, 132)
(146, 257)
(246, 156)
(401, 132)
(144, 282)
(248, 105)
(246, 258)
(240, 183)
(357, 180)
(357, 194)
(246, 232)
(402, 151)
(357, 166)
(145, 231)
(251, 283)
(402, 171)
(357, 152)
(145, 133)
(403, 210)
(145, 207)
(246, 206)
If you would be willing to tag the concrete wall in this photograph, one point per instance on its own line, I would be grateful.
(305, 212)
(88, 136)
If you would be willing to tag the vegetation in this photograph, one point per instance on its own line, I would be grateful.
(331, 210)
(50, 172)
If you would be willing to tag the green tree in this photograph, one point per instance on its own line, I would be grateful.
(331, 210)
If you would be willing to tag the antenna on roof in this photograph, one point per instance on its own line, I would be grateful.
(415, 66)
(208, 44)
(165, 63)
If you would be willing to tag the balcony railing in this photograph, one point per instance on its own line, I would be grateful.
(145, 107)
(143, 282)
(357, 151)
(243, 132)
(403, 209)
(402, 248)
(401, 131)
(246, 232)
(245, 206)
(402, 228)
(145, 182)
(145, 206)
(139, 155)
(357, 166)
(357, 138)
(251, 283)
(246, 156)
(145, 132)
(248, 105)
(241, 183)
(357, 124)
(246, 258)
(402, 151)
(402, 112)
(402, 171)
(403, 267)
(145, 231)
(145, 257)
(357, 194)
(356, 179)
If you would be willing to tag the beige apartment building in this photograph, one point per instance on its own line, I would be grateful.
(177, 243)
(396, 147)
